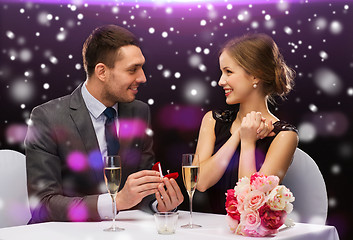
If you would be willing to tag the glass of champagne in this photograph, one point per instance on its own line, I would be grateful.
(112, 176)
(191, 168)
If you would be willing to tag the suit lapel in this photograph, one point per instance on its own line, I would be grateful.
(80, 116)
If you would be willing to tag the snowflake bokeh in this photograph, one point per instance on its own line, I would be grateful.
(181, 41)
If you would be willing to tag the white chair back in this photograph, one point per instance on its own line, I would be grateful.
(305, 181)
(14, 204)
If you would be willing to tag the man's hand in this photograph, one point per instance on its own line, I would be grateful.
(137, 186)
(169, 198)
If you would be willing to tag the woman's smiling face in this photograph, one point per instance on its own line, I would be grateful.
(236, 82)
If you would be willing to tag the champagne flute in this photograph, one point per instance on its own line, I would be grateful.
(112, 176)
(191, 168)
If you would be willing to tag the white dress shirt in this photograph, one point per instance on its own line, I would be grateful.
(96, 109)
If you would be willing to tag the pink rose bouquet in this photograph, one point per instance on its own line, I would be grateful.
(258, 206)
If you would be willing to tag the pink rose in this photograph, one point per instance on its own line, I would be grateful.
(272, 219)
(232, 205)
(254, 200)
(233, 211)
(251, 219)
(263, 183)
(263, 231)
(230, 195)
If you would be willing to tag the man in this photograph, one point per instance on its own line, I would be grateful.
(66, 139)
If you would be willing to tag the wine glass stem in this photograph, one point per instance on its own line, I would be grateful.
(114, 211)
(190, 201)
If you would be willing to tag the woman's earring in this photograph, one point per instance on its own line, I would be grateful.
(254, 85)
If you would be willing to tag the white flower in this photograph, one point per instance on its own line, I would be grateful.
(279, 198)
(243, 186)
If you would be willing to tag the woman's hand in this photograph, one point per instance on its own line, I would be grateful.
(265, 129)
(249, 126)
(254, 127)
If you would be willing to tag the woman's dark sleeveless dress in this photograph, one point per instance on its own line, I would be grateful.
(213, 199)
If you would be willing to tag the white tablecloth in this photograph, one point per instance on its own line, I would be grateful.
(140, 226)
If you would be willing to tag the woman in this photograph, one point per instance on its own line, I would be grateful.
(234, 144)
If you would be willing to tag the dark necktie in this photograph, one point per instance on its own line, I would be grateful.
(110, 132)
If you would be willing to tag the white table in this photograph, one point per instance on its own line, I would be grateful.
(140, 226)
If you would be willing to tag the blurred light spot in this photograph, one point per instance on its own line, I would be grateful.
(46, 86)
(164, 34)
(149, 132)
(169, 10)
(328, 81)
(25, 55)
(321, 23)
(307, 132)
(80, 16)
(195, 60)
(61, 36)
(350, 91)
(131, 128)
(150, 101)
(16, 133)
(177, 75)
(198, 49)
(159, 67)
(77, 161)
(229, 6)
(42, 19)
(23, 106)
(288, 30)
(53, 60)
(73, 8)
(167, 73)
(282, 5)
(173, 87)
(33, 201)
(203, 22)
(270, 24)
(202, 68)
(115, 9)
(332, 202)
(254, 25)
(78, 66)
(102, 187)
(77, 212)
(336, 27)
(206, 51)
(22, 91)
(336, 169)
(267, 17)
(313, 108)
(10, 34)
(28, 73)
(95, 160)
(214, 84)
(195, 91)
(323, 55)
(151, 30)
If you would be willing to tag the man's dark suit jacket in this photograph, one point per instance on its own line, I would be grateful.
(64, 163)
